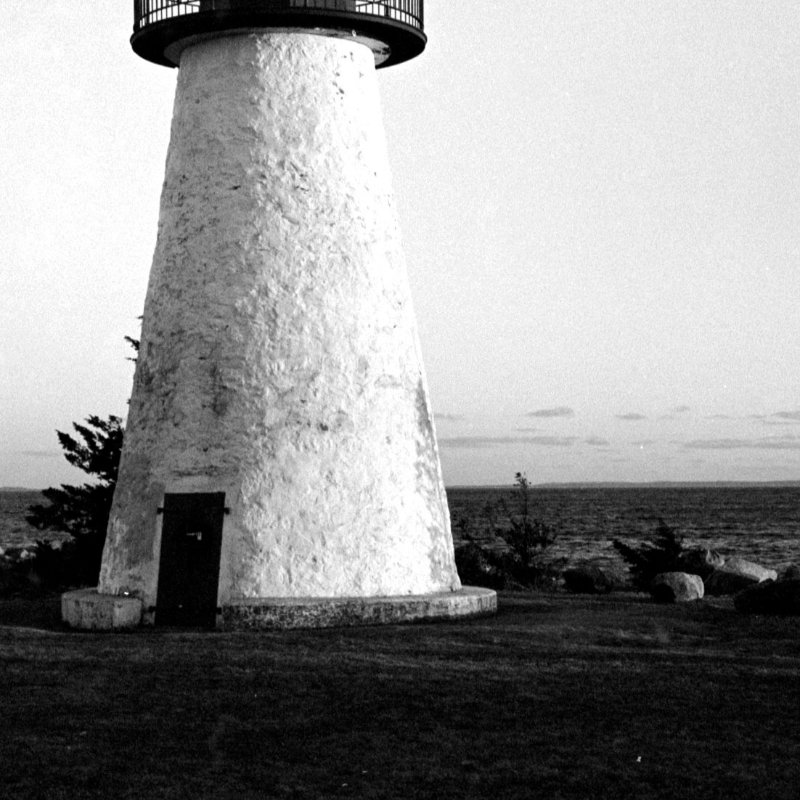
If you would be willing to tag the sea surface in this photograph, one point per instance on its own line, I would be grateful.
(759, 523)
(14, 530)
(755, 522)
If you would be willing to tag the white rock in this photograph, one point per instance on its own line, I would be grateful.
(744, 567)
(677, 587)
(735, 575)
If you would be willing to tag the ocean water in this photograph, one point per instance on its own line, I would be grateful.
(14, 530)
(760, 523)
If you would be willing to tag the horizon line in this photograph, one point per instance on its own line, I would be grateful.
(557, 484)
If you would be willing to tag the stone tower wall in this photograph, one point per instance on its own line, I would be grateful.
(279, 359)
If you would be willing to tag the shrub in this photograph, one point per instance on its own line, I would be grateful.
(526, 538)
(653, 557)
(519, 564)
(13, 578)
(479, 566)
(31, 571)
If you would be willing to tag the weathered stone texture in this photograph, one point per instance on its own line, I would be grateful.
(279, 358)
(346, 611)
(698, 561)
(677, 587)
(737, 574)
(87, 610)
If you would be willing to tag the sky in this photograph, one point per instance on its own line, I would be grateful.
(600, 206)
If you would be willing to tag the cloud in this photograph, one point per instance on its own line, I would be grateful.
(788, 416)
(674, 413)
(494, 441)
(448, 417)
(560, 411)
(462, 442)
(778, 418)
(631, 417)
(777, 443)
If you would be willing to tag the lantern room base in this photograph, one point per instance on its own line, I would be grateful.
(86, 609)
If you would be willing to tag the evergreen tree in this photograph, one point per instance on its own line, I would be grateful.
(83, 511)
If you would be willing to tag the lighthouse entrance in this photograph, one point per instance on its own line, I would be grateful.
(188, 574)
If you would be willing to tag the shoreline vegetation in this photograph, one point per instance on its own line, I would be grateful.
(559, 527)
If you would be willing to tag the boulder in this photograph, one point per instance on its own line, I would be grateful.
(676, 587)
(591, 578)
(721, 581)
(744, 567)
(698, 561)
(790, 573)
(737, 574)
(770, 597)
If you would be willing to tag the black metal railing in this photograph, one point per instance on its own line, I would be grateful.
(150, 12)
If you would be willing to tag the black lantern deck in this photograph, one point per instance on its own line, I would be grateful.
(392, 28)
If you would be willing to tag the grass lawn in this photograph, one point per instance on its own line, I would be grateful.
(557, 696)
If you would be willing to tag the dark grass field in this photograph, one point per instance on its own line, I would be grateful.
(557, 696)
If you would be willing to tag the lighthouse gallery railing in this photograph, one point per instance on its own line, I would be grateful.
(409, 12)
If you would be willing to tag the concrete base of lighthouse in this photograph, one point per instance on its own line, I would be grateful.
(86, 609)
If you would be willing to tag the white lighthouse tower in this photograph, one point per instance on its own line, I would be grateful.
(280, 466)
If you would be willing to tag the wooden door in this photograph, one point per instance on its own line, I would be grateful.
(188, 573)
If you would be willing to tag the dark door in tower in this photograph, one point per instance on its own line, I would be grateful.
(188, 573)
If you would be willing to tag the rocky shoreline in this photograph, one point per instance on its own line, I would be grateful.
(700, 572)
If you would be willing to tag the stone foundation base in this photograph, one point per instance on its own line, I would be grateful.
(328, 612)
(87, 610)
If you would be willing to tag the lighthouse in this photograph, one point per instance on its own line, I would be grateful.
(280, 465)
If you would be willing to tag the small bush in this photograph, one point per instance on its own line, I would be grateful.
(520, 563)
(41, 570)
(526, 538)
(479, 566)
(653, 557)
(12, 579)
